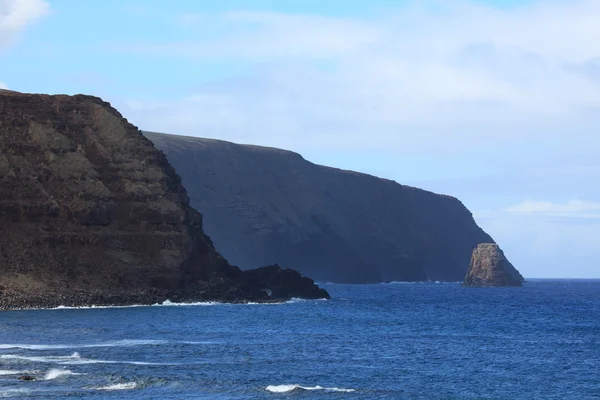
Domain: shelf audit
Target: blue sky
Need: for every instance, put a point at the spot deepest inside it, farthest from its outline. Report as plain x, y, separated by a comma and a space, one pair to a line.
494, 102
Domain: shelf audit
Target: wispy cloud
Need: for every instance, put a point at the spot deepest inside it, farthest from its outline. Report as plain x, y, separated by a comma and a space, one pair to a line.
548, 239
3, 86
15, 15
190, 19
571, 209
419, 79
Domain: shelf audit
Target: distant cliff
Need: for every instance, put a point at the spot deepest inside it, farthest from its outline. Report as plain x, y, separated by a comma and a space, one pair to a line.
265, 205
92, 213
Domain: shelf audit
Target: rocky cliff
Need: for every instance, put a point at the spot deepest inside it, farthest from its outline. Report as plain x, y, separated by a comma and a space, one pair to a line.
489, 267
265, 205
92, 213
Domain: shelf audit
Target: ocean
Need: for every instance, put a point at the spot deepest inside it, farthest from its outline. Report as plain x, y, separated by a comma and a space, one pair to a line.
387, 341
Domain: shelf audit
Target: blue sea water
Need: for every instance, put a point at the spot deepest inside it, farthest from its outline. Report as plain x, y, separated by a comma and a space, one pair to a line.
394, 341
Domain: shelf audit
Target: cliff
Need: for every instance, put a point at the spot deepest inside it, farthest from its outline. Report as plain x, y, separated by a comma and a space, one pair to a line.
489, 267
92, 213
265, 205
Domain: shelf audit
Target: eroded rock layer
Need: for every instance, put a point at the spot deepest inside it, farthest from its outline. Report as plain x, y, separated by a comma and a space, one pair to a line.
92, 213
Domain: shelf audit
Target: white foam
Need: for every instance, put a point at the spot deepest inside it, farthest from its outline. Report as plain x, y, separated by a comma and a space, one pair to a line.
74, 359
293, 388
169, 303
56, 373
4, 372
118, 343
119, 386
41, 359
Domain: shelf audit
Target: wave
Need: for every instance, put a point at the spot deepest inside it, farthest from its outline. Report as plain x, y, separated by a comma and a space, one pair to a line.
19, 393
74, 359
118, 386
58, 373
6, 372
169, 303
295, 388
420, 283
119, 343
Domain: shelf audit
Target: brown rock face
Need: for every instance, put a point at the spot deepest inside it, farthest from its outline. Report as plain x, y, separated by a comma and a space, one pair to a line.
489, 267
91, 212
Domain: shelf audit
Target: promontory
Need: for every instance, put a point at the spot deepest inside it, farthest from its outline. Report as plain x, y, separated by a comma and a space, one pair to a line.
92, 213
264, 205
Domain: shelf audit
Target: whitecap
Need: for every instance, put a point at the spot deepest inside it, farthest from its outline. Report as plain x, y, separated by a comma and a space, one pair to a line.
293, 388
118, 386
41, 359
119, 343
74, 359
4, 372
56, 373
169, 303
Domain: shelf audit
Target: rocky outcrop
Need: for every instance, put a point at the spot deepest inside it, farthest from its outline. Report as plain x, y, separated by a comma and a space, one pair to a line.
264, 206
92, 213
489, 267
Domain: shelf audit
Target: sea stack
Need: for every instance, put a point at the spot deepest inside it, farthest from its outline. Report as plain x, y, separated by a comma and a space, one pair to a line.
489, 267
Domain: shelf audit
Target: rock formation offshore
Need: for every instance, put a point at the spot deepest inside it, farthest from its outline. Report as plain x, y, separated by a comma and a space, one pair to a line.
489, 267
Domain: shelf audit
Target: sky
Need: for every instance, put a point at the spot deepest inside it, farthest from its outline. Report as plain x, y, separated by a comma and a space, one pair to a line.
494, 102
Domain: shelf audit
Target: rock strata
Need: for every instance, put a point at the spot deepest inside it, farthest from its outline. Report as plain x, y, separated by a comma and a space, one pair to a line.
489, 267
91, 213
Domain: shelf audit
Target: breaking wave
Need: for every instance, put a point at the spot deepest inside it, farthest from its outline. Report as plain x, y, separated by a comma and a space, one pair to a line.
169, 303
119, 343
118, 386
5, 372
296, 388
58, 373
74, 359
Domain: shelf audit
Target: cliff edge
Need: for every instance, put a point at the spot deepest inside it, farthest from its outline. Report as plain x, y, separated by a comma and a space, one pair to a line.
489, 267
92, 213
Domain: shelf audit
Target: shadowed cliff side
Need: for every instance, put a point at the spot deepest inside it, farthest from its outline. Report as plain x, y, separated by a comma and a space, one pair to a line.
92, 213
265, 205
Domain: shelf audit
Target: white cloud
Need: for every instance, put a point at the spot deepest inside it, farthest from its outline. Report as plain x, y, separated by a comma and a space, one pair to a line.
15, 15
571, 209
548, 240
3, 86
420, 79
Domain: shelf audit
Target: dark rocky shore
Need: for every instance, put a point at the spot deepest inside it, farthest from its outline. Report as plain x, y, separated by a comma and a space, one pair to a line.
91, 213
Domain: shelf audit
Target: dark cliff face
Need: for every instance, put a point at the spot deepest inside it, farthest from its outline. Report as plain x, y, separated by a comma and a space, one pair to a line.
264, 205
489, 267
90, 211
